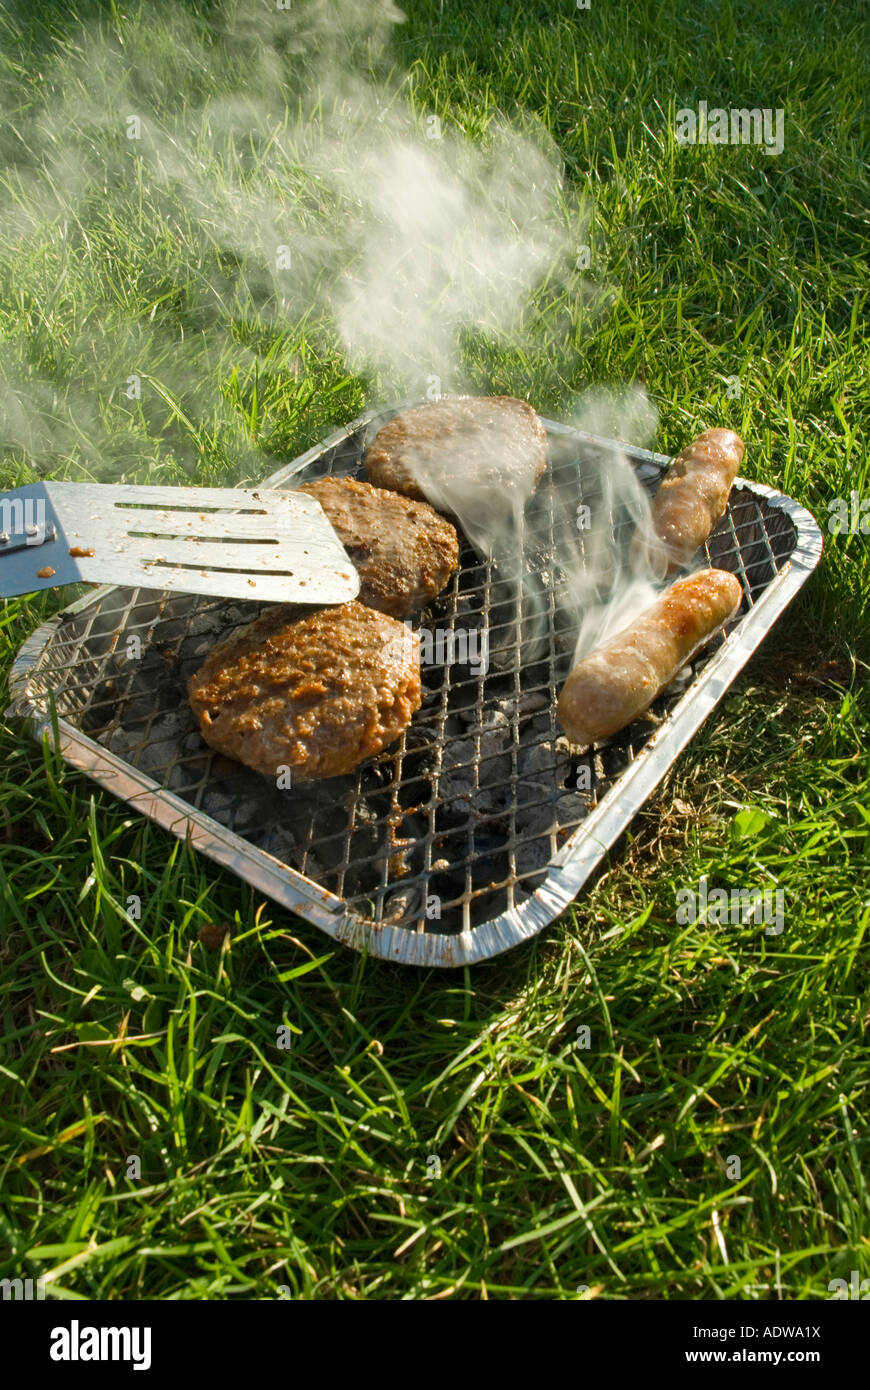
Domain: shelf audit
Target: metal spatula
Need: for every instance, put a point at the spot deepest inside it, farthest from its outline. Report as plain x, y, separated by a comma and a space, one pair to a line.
261, 544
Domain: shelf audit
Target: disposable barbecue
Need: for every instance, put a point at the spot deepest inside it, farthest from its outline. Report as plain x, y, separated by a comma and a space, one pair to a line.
481, 821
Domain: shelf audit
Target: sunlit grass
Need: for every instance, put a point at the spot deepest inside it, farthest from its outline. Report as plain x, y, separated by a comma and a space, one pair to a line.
311, 1169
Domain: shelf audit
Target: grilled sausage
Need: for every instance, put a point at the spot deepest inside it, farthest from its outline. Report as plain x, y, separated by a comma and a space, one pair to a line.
615, 683
693, 497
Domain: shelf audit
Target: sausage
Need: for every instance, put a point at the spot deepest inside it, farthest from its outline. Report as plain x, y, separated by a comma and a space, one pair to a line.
615, 683
693, 497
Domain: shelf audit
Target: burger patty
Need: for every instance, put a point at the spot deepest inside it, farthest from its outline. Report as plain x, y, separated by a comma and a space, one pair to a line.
459, 449
316, 691
404, 552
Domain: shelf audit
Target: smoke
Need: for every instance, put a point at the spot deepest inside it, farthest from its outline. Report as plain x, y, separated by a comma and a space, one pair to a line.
193, 190
609, 561
453, 237
599, 556
205, 212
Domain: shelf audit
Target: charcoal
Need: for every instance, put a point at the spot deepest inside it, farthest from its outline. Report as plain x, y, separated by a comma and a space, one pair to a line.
122, 742
541, 724
682, 680
170, 725
169, 633
146, 672
156, 757
532, 794
217, 803
537, 763
572, 808
312, 869
280, 842
179, 778
536, 820
489, 721
459, 783
197, 650
533, 856
406, 904
189, 774
209, 622
247, 812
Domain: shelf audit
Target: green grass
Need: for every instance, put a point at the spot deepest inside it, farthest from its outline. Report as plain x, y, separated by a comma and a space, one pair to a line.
611, 1167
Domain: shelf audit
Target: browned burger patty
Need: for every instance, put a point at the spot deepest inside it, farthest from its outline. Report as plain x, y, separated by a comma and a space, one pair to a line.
403, 550
317, 692
445, 450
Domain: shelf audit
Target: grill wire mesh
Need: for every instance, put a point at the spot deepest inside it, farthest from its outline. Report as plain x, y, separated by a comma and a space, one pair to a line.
460, 818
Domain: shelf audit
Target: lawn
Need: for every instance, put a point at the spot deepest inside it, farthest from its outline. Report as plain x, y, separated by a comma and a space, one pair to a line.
443, 1135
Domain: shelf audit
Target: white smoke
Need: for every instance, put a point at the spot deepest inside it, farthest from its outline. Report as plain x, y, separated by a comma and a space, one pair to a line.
265, 169
612, 581
268, 168
602, 580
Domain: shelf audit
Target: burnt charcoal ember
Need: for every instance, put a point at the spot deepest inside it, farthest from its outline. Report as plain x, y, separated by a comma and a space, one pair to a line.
682, 680
138, 712
543, 771
161, 747
172, 725
537, 820
191, 647
156, 758
532, 794
218, 805
469, 772
218, 620
408, 904
544, 762
533, 856
170, 633
546, 801
143, 689
308, 864
492, 721
420, 738
374, 776
541, 724
280, 842
329, 834
123, 742
180, 779
534, 701
572, 808
247, 813
615, 757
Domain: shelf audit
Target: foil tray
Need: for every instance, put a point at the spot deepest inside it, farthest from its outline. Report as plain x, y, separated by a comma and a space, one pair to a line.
479, 826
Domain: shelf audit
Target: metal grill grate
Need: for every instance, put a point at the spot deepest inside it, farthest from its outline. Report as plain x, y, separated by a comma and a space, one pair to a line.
463, 819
